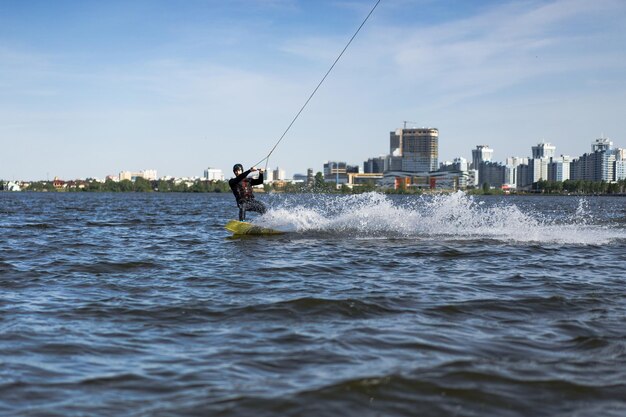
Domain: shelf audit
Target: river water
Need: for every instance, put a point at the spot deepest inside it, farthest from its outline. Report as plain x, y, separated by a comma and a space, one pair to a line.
371, 305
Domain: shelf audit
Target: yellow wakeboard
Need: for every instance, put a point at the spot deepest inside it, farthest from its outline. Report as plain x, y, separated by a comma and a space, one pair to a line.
246, 228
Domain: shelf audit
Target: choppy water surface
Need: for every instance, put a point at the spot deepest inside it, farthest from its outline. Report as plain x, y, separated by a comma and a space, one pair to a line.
141, 304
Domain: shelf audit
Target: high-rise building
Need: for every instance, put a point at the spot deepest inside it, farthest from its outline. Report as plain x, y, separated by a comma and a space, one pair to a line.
538, 168
418, 149
510, 176
538, 165
482, 153
559, 168
310, 178
279, 174
512, 165
601, 145
620, 170
516, 160
596, 166
374, 165
393, 163
460, 164
395, 143
544, 150
481, 156
524, 177
491, 173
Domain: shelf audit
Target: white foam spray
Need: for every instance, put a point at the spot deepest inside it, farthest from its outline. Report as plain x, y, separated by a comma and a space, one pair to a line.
444, 217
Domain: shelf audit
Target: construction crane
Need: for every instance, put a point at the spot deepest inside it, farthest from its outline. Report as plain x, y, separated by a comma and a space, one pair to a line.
406, 121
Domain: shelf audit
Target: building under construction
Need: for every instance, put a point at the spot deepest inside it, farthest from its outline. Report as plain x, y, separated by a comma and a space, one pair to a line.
413, 150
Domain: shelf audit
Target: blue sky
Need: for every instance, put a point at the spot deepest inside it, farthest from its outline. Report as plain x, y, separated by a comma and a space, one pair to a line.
91, 88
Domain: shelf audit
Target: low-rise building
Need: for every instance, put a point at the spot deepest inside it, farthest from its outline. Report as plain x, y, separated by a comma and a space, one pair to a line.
337, 172
13, 186
435, 180
213, 174
148, 174
58, 183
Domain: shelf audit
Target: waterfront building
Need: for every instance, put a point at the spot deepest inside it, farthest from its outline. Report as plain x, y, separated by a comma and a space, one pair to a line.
416, 148
213, 174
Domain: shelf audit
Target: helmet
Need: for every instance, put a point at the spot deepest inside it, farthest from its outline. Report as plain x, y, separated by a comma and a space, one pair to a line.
237, 166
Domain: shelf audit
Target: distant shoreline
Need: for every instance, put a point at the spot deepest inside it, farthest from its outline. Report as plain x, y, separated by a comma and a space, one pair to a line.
388, 192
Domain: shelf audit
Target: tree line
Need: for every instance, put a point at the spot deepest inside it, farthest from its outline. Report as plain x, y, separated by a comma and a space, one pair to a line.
318, 185
580, 187
139, 185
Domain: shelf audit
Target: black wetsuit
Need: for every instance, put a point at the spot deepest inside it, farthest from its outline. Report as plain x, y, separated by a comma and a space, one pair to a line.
242, 189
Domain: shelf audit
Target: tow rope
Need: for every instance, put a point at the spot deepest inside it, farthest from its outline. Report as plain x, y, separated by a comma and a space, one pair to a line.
267, 158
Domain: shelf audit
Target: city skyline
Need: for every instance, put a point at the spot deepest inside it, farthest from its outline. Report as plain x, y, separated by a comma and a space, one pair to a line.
90, 89
480, 151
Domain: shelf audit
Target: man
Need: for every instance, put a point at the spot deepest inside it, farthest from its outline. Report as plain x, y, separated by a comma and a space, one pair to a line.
242, 189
